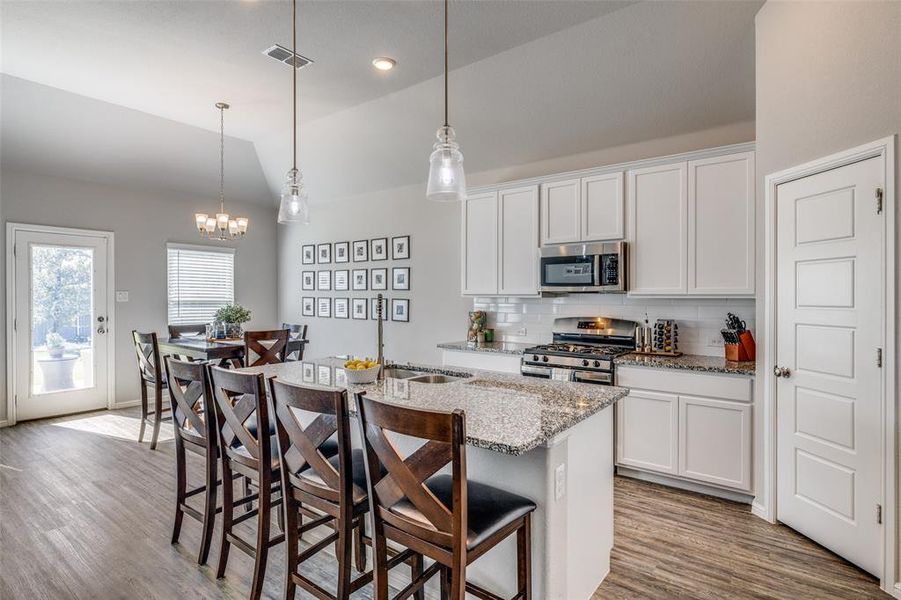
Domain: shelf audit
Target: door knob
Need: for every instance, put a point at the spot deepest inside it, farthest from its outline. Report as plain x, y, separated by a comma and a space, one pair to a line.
781, 372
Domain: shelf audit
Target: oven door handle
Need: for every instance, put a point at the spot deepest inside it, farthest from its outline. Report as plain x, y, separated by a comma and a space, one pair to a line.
593, 377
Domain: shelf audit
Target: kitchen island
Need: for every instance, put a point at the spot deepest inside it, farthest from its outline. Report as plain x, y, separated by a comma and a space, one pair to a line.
551, 441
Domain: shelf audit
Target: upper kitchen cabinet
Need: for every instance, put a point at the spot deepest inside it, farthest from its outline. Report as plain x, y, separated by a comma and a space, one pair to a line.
721, 225
691, 226
658, 213
586, 209
500, 243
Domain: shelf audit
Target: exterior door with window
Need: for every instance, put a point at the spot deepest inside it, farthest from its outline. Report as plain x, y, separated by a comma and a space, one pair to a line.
61, 324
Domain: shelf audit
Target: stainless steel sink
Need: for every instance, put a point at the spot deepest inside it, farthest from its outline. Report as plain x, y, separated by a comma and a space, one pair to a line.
397, 373
411, 374
434, 378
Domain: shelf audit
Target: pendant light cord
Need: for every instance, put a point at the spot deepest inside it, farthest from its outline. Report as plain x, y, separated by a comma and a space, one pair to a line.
445, 64
294, 74
222, 159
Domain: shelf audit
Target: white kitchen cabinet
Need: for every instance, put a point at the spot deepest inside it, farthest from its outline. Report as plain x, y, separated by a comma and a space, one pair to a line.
500, 243
518, 241
715, 441
647, 431
721, 225
480, 241
586, 209
603, 207
658, 213
561, 211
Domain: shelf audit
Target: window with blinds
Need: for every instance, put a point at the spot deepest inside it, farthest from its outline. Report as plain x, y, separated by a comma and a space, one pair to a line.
201, 281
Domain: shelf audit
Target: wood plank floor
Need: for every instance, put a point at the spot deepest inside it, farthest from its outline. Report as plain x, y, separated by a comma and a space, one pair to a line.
86, 512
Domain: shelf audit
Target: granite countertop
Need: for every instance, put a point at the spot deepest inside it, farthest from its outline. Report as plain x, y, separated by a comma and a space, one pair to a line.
507, 413
516, 348
689, 362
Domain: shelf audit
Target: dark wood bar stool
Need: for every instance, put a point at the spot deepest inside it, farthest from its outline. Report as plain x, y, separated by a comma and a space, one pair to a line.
335, 486
150, 368
296, 332
444, 517
257, 352
194, 422
192, 329
241, 401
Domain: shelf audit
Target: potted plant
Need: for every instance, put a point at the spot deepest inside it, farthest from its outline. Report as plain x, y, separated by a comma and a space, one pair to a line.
232, 316
56, 345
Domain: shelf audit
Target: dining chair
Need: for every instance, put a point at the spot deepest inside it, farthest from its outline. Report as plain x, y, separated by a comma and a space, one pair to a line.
150, 368
445, 517
192, 329
295, 332
269, 347
335, 486
194, 421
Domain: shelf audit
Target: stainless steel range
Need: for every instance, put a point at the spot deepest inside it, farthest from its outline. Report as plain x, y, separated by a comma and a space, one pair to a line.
583, 350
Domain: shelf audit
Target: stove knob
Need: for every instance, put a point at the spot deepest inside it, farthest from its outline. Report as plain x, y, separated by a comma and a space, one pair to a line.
597, 363
535, 357
584, 363
544, 358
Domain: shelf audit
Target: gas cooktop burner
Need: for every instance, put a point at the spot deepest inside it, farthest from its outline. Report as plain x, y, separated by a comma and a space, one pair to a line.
580, 350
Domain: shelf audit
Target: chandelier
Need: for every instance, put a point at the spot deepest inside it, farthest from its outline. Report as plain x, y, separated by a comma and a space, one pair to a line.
223, 227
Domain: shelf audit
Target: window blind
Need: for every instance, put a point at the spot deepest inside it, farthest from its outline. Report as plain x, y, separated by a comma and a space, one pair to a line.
201, 281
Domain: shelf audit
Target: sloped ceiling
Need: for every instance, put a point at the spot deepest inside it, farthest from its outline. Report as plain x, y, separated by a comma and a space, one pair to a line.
531, 80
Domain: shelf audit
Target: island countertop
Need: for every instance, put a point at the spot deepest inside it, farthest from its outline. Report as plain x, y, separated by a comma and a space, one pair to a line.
507, 413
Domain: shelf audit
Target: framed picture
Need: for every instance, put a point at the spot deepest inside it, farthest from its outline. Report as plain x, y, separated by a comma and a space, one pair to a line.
400, 278
359, 279
324, 307
308, 280
308, 254
400, 247
324, 254
342, 252
378, 279
324, 375
309, 372
340, 377
359, 308
324, 281
374, 308
361, 251
342, 310
378, 249
308, 306
400, 310
342, 280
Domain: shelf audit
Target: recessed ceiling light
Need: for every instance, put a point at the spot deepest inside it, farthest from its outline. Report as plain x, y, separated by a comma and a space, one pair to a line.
383, 63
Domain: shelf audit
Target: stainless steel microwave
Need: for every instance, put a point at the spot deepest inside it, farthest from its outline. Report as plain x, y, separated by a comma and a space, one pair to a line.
584, 268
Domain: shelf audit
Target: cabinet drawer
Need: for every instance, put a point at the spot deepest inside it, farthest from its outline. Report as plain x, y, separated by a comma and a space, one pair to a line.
727, 387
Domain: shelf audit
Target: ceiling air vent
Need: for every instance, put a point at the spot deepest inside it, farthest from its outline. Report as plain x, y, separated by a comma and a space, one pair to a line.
282, 54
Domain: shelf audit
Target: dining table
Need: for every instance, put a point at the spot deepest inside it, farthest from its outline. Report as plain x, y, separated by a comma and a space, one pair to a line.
223, 352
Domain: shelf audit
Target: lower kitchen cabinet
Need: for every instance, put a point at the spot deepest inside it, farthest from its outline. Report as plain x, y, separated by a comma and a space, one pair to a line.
665, 426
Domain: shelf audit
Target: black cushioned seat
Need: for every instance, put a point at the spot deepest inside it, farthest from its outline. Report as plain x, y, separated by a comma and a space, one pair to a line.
358, 467
489, 509
329, 448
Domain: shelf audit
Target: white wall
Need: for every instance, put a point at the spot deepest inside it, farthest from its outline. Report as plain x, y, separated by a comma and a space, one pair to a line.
828, 79
438, 313
143, 220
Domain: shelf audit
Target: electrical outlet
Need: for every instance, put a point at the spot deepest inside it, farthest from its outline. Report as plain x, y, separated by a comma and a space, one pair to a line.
560, 481
715, 341
121, 296
521, 331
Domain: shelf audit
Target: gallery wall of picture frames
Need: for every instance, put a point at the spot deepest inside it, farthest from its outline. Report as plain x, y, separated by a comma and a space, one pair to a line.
356, 278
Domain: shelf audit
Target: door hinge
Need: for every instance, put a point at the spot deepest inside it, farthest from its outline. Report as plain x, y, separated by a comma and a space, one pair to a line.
879, 514
879, 357
878, 200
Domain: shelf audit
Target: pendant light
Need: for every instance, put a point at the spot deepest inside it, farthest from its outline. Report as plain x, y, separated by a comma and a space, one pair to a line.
294, 206
223, 227
447, 181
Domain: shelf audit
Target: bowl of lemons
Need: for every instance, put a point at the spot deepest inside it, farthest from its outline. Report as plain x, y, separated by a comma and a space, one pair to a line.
361, 371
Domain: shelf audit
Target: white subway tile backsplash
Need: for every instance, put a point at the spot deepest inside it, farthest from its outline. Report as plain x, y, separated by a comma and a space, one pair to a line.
699, 319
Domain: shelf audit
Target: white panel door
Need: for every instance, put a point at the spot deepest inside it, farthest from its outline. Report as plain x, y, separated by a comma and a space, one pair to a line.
721, 225
647, 431
603, 207
61, 297
829, 329
715, 441
518, 241
560, 212
658, 213
479, 268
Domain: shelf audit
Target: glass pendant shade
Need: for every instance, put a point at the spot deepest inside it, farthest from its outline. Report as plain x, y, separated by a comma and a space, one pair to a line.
200, 221
242, 224
447, 181
294, 206
210, 225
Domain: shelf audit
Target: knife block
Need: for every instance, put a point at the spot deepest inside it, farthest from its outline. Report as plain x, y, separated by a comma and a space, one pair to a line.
746, 350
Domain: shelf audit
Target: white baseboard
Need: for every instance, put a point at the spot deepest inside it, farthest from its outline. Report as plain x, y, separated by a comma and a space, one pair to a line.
126, 404
759, 510
897, 591
683, 484
4, 423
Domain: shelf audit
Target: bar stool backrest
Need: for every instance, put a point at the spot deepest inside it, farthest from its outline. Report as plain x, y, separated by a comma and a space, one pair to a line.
266, 354
240, 396
192, 402
191, 329
147, 349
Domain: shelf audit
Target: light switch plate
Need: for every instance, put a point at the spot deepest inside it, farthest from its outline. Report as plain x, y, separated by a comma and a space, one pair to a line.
121, 296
